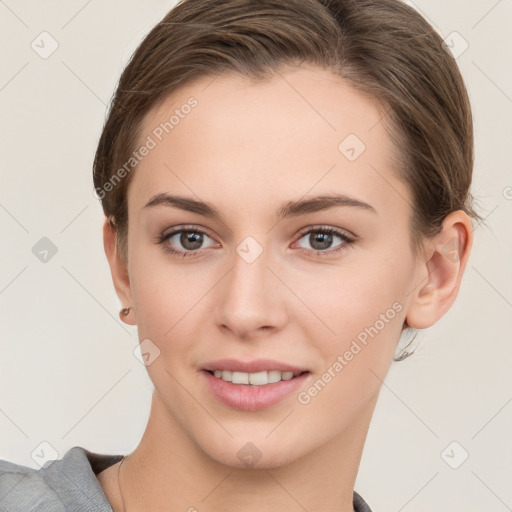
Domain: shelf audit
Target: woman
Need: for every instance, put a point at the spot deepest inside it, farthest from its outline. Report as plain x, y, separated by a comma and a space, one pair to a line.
286, 191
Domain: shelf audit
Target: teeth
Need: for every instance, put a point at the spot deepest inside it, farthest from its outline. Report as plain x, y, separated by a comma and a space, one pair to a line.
258, 379
274, 376
240, 378
255, 379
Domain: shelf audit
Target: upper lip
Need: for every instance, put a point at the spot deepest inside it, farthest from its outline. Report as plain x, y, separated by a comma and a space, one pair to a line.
254, 366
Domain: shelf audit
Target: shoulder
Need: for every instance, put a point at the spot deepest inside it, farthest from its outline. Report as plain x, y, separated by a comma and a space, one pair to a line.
60, 485
24, 488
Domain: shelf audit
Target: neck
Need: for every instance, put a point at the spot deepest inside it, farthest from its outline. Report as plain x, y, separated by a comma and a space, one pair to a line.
168, 471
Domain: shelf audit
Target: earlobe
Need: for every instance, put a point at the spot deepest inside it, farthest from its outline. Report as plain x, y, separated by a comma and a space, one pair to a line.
119, 271
441, 273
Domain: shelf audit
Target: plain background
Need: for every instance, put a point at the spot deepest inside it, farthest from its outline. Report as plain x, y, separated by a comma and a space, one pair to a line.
68, 373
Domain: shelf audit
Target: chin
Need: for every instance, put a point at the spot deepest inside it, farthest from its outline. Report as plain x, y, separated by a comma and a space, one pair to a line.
253, 451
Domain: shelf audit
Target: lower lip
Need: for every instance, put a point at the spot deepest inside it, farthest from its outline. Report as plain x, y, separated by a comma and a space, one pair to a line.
246, 397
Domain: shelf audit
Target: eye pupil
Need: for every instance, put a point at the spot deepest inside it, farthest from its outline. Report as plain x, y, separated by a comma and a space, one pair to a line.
191, 240
325, 240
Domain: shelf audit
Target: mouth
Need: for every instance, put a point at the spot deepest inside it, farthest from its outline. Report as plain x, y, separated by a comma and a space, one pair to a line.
263, 378
253, 391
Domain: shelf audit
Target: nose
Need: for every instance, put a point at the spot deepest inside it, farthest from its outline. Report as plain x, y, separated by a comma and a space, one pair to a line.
249, 300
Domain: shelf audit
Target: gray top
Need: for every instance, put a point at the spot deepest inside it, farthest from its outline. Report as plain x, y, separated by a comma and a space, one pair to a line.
67, 484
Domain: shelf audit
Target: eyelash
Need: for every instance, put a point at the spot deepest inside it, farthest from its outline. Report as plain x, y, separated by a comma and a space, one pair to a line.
347, 240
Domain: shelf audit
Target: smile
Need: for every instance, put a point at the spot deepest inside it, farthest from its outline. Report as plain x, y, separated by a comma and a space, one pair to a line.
253, 391
254, 379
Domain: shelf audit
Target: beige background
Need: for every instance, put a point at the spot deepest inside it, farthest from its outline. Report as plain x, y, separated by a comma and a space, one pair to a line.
68, 375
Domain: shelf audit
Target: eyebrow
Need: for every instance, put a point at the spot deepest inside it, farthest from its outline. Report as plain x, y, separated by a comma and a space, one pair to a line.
289, 209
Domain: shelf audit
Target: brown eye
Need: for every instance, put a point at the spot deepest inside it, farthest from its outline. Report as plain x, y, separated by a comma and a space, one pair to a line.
184, 242
323, 239
190, 240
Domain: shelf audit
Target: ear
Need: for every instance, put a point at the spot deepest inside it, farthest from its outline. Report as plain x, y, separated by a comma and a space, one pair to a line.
440, 274
119, 271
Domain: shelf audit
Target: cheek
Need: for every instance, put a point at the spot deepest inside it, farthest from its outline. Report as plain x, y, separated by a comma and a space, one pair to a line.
356, 327
354, 363
169, 300
346, 301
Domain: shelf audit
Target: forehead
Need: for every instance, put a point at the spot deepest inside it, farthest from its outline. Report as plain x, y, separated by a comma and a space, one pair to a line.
303, 131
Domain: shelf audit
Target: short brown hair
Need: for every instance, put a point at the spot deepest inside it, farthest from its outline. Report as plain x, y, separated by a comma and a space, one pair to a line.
383, 48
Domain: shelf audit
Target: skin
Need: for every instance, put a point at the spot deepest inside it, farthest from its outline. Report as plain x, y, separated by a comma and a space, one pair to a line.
248, 149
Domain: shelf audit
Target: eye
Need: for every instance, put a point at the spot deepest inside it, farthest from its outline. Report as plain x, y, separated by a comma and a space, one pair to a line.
190, 240
321, 240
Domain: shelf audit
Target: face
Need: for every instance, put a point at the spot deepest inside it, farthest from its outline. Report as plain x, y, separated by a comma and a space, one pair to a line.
301, 256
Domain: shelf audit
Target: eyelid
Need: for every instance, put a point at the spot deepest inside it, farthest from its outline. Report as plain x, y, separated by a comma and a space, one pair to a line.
167, 235
326, 227
347, 237
186, 227
347, 241
302, 232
